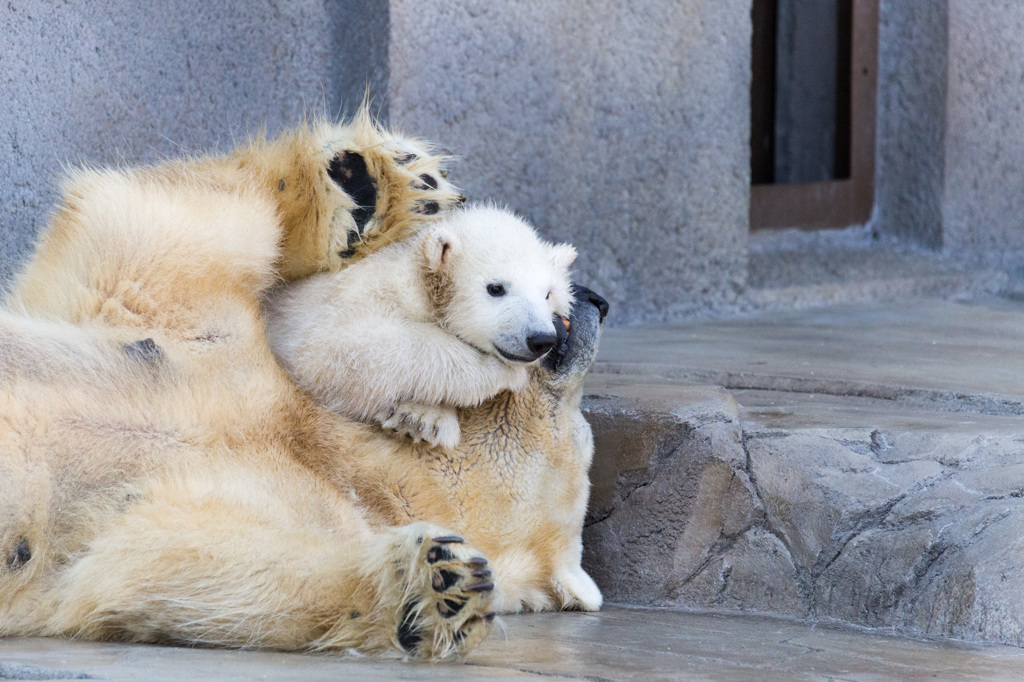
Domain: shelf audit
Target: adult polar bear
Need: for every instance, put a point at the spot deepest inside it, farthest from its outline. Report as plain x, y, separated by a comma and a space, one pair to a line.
161, 478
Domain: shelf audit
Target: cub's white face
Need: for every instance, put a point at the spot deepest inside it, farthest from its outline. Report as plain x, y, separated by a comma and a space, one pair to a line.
505, 285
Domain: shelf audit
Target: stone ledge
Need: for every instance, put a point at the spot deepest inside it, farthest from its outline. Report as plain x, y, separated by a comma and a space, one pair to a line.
929, 354
890, 518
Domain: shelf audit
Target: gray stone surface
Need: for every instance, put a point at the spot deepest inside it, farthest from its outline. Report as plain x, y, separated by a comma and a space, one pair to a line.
965, 356
983, 214
867, 467
672, 503
616, 644
800, 270
122, 80
913, 41
621, 127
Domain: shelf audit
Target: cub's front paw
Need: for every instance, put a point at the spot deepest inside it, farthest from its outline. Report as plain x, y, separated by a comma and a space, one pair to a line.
435, 424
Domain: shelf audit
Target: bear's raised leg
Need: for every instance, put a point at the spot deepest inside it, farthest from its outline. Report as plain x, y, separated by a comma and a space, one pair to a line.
175, 245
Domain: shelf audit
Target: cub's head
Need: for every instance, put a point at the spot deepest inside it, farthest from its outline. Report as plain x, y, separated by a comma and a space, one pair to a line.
498, 287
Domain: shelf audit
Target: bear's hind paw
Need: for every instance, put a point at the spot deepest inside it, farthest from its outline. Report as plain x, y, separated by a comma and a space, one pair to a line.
446, 609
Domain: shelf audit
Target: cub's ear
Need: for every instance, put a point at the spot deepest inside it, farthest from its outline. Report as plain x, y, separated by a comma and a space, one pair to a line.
439, 247
563, 255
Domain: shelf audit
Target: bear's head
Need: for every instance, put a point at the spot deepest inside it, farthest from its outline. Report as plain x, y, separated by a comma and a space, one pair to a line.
497, 286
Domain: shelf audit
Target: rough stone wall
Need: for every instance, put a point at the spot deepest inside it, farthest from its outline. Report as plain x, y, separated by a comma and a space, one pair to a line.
622, 127
984, 169
911, 120
100, 83
696, 505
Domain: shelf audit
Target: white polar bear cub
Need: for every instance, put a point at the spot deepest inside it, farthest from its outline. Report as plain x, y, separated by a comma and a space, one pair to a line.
448, 318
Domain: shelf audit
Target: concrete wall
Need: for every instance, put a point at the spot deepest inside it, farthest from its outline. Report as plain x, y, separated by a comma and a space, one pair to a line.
97, 83
951, 129
983, 201
911, 120
622, 127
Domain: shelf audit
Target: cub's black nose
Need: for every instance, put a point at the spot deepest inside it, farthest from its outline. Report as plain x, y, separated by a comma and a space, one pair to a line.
539, 344
584, 294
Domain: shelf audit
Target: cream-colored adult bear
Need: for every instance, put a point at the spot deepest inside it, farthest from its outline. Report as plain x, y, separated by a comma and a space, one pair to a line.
446, 319
162, 479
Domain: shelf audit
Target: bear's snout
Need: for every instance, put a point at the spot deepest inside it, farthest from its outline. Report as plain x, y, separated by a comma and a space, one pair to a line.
540, 343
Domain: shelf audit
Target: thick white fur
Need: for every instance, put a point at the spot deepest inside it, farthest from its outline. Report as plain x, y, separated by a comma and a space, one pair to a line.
411, 331
185, 490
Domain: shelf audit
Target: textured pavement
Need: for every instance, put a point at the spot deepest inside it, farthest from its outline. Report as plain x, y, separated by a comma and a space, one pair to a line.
616, 644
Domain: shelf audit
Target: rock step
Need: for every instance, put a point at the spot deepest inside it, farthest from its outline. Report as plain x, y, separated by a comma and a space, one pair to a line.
832, 508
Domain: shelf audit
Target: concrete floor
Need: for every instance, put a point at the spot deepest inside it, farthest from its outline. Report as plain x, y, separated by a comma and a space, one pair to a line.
930, 353
617, 644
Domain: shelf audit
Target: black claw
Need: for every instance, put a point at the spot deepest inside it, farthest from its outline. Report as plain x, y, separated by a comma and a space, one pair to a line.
450, 607
403, 159
408, 630
489, 616
448, 539
352, 237
462, 198
482, 573
479, 587
439, 554
428, 208
429, 181
477, 562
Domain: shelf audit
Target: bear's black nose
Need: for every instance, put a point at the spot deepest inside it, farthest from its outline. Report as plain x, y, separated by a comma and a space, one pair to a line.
539, 344
581, 293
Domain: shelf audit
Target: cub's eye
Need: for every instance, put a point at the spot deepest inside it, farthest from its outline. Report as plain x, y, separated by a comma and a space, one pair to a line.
496, 290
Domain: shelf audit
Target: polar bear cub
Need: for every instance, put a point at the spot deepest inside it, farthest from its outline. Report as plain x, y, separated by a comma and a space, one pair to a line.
448, 318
